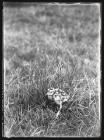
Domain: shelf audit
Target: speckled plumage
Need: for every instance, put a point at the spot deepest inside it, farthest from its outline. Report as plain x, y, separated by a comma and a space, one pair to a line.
58, 96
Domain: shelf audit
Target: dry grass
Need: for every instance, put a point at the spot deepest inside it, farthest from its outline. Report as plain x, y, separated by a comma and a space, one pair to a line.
43, 53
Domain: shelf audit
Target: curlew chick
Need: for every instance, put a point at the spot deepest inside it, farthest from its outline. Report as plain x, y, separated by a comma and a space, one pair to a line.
58, 96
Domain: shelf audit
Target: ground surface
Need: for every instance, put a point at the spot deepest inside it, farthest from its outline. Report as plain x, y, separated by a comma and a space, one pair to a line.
51, 46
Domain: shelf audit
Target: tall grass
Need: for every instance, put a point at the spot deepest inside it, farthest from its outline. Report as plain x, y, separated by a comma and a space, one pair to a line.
39, 62
27, 111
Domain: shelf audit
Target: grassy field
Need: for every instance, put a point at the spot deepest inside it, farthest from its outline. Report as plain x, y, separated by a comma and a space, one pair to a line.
51, 46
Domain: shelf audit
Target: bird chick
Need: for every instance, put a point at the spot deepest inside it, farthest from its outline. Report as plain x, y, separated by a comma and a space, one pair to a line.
59, 96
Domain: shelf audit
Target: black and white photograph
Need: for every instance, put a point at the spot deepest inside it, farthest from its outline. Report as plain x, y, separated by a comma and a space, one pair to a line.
51, 69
